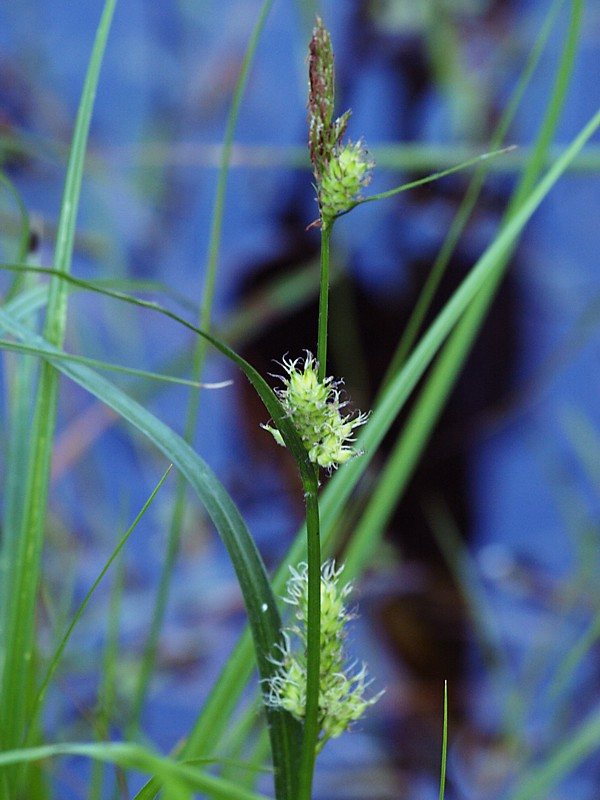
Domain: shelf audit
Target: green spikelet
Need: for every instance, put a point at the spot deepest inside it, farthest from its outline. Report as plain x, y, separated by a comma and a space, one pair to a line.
340, 170
315, 408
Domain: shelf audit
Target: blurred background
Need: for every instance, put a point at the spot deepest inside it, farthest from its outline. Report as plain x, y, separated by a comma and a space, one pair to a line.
488, 574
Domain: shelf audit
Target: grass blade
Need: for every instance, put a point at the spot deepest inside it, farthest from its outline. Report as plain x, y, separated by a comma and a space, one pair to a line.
24, 224
263, 615
181, 779
444, 744
577, 746
20, 614
37, 705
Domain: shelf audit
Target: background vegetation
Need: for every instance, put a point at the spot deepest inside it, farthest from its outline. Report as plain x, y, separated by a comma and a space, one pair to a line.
188, 186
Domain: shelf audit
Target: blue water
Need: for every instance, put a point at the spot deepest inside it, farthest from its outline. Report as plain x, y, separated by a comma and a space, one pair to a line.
146, 211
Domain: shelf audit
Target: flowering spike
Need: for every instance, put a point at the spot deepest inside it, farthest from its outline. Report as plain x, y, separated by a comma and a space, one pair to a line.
315, 409
340, 170
342, 686
323, 135
341, 185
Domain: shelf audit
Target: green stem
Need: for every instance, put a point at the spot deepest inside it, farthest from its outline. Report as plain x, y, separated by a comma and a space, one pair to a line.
313, 547
444, 744
313, 646
323, 303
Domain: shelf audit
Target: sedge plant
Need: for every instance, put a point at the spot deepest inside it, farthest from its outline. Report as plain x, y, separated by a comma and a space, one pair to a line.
309, 687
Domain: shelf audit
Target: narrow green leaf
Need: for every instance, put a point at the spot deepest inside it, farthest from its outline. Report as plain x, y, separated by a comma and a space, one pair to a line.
263, 615
436, 176
37, 704
270, 401
579, 745
24, 227
20, 614
444, 744
23, 304
93, 363
140, 759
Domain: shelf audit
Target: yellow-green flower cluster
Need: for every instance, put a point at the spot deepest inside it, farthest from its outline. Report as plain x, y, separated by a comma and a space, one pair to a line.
315, 408
346, 173
342, 689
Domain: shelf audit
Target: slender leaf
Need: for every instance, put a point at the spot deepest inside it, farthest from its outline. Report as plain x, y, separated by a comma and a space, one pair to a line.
24, 225
16, 347
261, 606
444, 744
37, 705
182, 777
20, 614
572, 751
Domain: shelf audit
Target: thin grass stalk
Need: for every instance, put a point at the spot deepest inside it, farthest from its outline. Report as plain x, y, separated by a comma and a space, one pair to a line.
403, 156
444, 744
38, 702
311, 726
20, 384
198, 359
310, 731
107, 695
585, 443
323, 304
541, 148
539, 779
468, 579
184, 777
17, 347
245, 749
20, 629
24, 229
